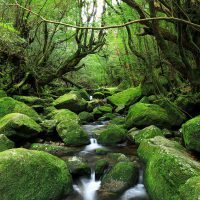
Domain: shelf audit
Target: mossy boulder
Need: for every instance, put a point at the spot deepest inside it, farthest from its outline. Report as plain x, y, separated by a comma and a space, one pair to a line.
168, 168
107, 116
98, 95
2, 94
142, 115
5, 143
54, 149
100, 167
176, 116
10, 105
126, 97
101, 110
112, 135
78, 167
72, 134
138, 136
118, 157
191, 189
16, 125
86, 117
49, 126
72, 102
27, 174
118, 121
121, 176
191, 134
30, 100
63, 115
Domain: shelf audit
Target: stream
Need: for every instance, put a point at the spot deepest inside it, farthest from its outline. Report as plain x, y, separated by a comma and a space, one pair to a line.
85, 188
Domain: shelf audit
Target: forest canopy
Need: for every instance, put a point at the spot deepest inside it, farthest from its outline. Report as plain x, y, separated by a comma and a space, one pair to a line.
38, 46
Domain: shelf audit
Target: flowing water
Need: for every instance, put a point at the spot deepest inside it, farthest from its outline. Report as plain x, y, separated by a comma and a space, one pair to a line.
86, 187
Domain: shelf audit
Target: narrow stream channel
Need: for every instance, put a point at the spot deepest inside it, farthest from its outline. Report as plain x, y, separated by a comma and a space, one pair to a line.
86, 187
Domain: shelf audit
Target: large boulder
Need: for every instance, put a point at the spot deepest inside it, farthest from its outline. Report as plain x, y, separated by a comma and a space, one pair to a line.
121, 176
137, 136
71, 101
126, 97
64, 115
176, 116
10, 105
86, 117
101, 110
16, 125
5, 143
72, 134
191, 134
30, 100
142, 115
112, 135
168, 168
27, 174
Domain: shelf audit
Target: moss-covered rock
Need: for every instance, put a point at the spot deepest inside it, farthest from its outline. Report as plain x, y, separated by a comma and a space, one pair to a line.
191, 189
2, 94
86, 117
138, 136
107, 116
64, 115
118, 157
191, 134
100, 167
49, 126
5, 143
54, 149
30, 100
176, 116
78, 167
16, 125
122, 176
126, 97
118, 121
101, 110
168, 168
142, 115
112, 135
72, 102
10, 105
102, 151
98, 95
72, 134
26, 174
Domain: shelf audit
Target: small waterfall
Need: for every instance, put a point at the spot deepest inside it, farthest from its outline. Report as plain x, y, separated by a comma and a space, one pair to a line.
136, 192
87, 187
93, 145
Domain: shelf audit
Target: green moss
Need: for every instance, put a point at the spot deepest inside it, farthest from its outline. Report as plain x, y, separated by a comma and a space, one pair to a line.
141, 115
2, 94
100, 167
18, 125
101, 110
126, 97
9, 105
98, 95
30, 100
64, 115
191, 134
71, 101
112, 135
118, 121
5, 143
168, 167
122, 176
191, 189
146, 133
72, 134
26, 174
77, 166
86, 117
